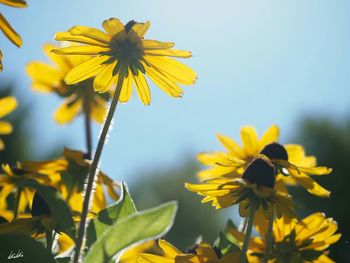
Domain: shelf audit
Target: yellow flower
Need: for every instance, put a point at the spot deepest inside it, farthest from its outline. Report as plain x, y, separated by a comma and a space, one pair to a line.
72, 169
79, 97
299, 241
10, 181
7, 105
201, 253
293, 165
255, 188
122, 51
6, 28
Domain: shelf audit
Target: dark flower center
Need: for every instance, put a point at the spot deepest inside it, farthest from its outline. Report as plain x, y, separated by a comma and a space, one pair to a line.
275, 151
260, 172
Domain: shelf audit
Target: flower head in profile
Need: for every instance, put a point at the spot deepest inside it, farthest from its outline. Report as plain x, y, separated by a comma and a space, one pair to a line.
78, 98
7, 29
256, 188
7, 105
299, 241
293, 165
200, 253
121, 52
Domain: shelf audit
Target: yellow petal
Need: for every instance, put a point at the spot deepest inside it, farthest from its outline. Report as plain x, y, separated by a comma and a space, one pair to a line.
172, 69
154, 44
67, 36
9, 32
81, 50
168, 249
114, 26
138, 31
98, 109
163, 82
5, 127
142, 88
90, 32
2, 146
85, 70
44, 75
1, 67
169, 53
61, 61
7, 105
270, 136
125, 93
14, 3
249, 138
67, 111
105, 78
231, 145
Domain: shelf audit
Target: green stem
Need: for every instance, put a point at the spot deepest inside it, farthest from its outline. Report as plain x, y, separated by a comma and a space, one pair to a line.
49, 240
248, 233
93, 169
87, 124
16, 204
268, 239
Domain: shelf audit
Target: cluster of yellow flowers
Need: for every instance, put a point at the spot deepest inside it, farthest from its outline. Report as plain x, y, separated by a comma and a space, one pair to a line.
99, 66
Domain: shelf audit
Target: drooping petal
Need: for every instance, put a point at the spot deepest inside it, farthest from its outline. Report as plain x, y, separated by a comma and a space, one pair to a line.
9, 32
164, 83
85, 70
142, 88
90, 32
81, 50
67, 111
7, 105
169, 53
172, 69
105, 78
125, 93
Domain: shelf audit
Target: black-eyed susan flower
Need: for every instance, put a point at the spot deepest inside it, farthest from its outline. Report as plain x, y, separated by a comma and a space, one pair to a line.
7, 105
256, 188
295, 241
78, 98
200, 253
293, 165
7, 29
121, 52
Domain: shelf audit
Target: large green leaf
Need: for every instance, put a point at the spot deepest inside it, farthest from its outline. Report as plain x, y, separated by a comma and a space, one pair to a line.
110, 215
59, 209
18, 248
148, 224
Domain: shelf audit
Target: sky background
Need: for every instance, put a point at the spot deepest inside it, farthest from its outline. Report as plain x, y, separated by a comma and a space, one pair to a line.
258, 62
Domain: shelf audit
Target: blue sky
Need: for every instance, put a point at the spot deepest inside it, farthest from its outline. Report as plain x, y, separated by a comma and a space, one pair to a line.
258, 62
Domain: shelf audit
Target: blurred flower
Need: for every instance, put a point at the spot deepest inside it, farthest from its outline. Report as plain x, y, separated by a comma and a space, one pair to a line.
10, 181
78, 98
304, 241
6, 28
293, 166
123, 52
255, 188
7, 105
201, 253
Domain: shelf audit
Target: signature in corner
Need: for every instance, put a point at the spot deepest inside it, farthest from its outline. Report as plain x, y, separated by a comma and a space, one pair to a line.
16, 254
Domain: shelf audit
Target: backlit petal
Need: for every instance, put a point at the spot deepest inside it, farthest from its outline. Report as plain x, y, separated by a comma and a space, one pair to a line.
142, 88
7, 105
9, 32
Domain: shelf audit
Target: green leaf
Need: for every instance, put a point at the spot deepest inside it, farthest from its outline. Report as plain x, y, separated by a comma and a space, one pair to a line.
63, 260
226, 243
59, 209
110, 215
141, 226
23, 249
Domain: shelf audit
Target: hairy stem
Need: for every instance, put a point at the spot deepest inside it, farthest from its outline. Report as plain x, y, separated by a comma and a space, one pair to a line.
93, 168
248, 233
268, 239
87, 124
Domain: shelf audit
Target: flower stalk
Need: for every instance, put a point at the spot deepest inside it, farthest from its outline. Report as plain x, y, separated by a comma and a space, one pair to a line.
16, 204
93, 168
268, 239
248, 233
87, 124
